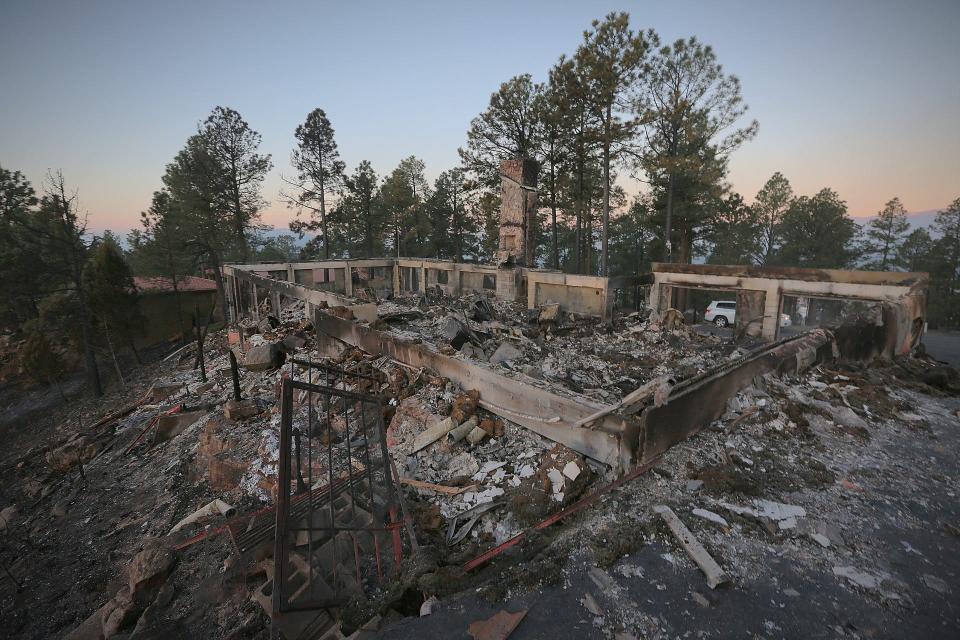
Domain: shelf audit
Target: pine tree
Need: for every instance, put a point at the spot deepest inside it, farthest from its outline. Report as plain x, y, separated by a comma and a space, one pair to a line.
236, 170
630, 236
818, 233
23, 282
946, 269
690, 108
509, 128
885, 235
915, 253
363, 197
611, 59
770, 206
113, 298
41, 361
578, 143
404, 193
734, 232
451, 220
319, 175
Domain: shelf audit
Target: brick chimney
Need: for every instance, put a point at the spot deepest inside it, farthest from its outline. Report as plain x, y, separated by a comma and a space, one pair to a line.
518, 210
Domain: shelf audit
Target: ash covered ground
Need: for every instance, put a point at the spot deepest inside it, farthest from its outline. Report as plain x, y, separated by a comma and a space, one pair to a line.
829, 498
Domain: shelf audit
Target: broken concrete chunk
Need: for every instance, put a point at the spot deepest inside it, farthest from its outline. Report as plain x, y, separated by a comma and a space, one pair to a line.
549, 313
7, 517
591, 605
160, 392
556, 479
768, 509
148, 571
857, 577
937, 584
455, 332
778, 510
571, 470
470, 351
293, 342
240, 410
79, 450
711, 516
497, 627
700, 599
118, 613
820, 539
173, 425
506, 352
463, 464
263, 357
787, 523
429, 436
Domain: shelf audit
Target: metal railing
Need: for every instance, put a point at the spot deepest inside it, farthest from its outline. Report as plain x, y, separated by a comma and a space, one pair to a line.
339, 530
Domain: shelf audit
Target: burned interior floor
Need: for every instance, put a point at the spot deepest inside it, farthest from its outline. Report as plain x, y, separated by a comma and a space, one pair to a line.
827, 497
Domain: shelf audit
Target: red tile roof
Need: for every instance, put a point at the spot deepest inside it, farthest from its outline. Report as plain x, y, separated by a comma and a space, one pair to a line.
162, 284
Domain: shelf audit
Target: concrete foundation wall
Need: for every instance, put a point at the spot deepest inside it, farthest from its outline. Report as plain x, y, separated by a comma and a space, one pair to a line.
474, 281
642, 426
579, 294
584, 300
587, 295
906, 292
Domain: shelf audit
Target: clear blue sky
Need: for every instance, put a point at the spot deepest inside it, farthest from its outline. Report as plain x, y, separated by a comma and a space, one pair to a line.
861, 96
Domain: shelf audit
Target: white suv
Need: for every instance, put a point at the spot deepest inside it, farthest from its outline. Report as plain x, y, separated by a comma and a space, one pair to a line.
721, 313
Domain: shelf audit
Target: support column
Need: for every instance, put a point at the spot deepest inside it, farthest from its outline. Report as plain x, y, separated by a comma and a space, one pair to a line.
423, 278
455, 285
751, 311
275, 304
347, 280
291, 276
234, 306
608, 302
256, 303
771, 312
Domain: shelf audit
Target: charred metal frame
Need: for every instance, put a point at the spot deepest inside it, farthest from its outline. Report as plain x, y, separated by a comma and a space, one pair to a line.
351, 506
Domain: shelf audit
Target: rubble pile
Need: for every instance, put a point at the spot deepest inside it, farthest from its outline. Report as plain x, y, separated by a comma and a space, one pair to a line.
143, 506
555, 350
802, 472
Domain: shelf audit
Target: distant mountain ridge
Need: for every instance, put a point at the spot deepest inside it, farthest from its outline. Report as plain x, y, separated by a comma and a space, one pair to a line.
917, 219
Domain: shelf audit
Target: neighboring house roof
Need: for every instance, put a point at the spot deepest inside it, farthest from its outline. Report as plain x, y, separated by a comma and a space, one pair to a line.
161, 284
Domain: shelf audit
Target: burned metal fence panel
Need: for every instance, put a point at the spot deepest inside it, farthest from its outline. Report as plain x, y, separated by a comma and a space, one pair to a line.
339, 531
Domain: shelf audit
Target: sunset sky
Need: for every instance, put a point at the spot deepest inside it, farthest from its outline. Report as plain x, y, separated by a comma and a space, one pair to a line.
860, 96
